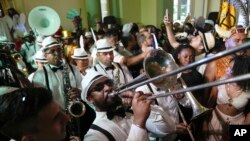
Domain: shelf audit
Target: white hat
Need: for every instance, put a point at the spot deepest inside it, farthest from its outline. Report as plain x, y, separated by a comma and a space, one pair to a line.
211, 22
39, 56
49, 42
103, 45
127, 27
208, 40
90, 77
88, 34
39, 40
79, 53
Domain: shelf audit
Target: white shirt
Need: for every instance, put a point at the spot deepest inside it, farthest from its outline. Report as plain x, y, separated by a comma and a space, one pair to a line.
169, 105
123, 129
55, 80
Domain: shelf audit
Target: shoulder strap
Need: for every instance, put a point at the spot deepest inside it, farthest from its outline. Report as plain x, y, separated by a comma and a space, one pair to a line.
95, 68
46, 77
26, 46
71, 68
120, 67
151, 90
105, 132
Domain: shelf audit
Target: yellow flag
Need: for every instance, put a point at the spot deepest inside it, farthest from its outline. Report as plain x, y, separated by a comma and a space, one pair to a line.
227, 19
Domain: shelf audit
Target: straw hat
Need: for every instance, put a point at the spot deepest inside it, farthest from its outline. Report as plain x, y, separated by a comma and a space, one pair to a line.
103, 45
79, 53
208, 40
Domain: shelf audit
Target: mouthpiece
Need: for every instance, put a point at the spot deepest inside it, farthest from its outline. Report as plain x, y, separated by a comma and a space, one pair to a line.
113, 94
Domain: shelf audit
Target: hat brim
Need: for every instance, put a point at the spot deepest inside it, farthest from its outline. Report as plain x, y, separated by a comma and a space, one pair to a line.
74, 57
106, 50
50, 46
41, 60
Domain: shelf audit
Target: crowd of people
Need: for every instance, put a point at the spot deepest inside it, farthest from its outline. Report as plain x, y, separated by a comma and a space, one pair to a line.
67, 92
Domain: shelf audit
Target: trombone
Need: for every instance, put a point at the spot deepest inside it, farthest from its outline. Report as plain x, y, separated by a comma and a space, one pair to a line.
202, 86
159, 76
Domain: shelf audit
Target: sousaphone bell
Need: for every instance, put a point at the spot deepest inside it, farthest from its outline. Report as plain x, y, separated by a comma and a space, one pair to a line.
44, 20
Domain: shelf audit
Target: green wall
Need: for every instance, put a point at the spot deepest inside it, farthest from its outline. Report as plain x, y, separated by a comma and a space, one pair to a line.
142, 12
93, 12
130, 11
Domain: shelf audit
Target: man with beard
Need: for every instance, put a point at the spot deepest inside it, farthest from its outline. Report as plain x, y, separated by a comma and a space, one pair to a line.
112, 122
62, 79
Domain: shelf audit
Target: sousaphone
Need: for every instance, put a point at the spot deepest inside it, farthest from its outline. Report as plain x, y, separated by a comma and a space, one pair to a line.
44, 20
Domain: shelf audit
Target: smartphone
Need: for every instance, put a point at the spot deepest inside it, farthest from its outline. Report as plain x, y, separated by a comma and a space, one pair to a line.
166, 12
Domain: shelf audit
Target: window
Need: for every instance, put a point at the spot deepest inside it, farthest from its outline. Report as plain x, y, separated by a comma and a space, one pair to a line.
181, 9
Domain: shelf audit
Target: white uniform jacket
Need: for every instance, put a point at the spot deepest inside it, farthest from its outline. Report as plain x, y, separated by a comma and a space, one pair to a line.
55, 80
123, 129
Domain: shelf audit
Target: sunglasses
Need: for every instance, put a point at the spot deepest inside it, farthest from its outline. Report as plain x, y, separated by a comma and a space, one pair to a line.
99, 87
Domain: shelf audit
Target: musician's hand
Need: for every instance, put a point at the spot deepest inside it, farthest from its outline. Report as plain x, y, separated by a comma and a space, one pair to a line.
182, 128
75, 93
179, 96
141, 108
127, 97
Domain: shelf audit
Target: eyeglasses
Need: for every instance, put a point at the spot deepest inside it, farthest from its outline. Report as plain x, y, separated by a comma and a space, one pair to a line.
99, 87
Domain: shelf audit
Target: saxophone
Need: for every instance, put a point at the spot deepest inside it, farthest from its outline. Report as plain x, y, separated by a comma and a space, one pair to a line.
73, 107
117, 81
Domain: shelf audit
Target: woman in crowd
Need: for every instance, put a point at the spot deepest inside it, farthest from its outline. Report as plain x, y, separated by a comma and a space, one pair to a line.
232, 100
